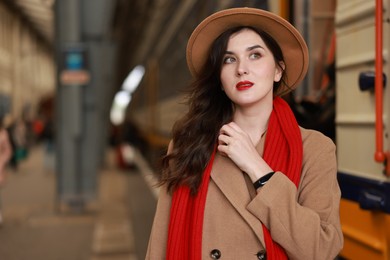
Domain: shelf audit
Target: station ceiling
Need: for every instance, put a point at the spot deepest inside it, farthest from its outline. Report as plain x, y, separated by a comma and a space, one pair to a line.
142, 29
136, 22
37, 14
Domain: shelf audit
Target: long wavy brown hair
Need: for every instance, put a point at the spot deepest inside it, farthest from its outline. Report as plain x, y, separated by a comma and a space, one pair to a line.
194, 136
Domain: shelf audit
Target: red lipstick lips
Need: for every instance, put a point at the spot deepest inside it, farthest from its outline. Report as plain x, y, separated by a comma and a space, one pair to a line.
244, 85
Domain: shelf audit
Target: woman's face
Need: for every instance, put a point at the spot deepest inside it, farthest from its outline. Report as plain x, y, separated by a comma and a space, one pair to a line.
249, 69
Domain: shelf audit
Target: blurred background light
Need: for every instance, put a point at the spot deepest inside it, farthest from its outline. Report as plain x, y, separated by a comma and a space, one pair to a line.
133, 79
123, 97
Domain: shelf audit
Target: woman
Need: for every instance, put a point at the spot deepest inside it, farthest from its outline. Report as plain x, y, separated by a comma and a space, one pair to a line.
241, 179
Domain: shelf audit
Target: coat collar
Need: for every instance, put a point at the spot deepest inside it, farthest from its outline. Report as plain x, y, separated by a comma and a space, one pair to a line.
231, 181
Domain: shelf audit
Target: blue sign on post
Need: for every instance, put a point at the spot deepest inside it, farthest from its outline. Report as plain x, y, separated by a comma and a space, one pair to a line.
74, 67
74, 61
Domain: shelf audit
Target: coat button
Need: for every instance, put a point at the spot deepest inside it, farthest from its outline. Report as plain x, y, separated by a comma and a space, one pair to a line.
262, 255
215, 254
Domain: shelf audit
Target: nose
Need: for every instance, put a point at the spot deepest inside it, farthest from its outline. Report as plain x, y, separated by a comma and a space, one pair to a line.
242, 68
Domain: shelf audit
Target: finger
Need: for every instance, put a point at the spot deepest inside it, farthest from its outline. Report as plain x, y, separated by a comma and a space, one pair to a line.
223, 139
235, 127
227, 130
237, 130
222, 149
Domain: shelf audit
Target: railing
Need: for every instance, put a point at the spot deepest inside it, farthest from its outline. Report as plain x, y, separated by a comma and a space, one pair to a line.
380, 155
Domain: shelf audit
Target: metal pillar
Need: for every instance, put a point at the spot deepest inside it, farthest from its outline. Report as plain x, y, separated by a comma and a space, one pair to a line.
84, 60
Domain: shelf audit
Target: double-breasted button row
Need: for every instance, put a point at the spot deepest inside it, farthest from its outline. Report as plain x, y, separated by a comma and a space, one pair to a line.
262, 255
216, 254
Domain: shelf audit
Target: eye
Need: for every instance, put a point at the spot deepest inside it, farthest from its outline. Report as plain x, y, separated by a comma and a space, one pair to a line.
255, 55
228, 60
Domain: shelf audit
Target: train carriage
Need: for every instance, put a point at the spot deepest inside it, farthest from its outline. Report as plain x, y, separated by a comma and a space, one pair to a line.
362, 126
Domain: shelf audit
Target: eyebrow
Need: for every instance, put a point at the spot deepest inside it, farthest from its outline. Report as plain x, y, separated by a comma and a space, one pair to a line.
247, 49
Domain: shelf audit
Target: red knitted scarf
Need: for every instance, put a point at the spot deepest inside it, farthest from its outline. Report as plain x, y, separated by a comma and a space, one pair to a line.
282, 151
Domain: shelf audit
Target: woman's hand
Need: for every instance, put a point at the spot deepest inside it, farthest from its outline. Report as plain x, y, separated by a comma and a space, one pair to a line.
236, 144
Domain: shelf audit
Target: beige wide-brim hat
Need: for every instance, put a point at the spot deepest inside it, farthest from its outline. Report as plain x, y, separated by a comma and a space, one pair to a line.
291, 42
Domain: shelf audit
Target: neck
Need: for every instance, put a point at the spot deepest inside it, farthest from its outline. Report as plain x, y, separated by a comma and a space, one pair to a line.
253, 120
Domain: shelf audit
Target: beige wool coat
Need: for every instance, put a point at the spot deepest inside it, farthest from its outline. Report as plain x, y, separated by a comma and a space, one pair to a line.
304, 221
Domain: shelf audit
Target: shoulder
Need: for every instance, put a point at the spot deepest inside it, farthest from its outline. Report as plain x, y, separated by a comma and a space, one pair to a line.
316, 141
319, 164
317, 148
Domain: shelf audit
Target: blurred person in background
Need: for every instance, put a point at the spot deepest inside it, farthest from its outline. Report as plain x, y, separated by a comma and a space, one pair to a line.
5, 156
18, 137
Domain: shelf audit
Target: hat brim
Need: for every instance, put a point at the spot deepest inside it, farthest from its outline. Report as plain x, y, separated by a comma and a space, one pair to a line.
292, 44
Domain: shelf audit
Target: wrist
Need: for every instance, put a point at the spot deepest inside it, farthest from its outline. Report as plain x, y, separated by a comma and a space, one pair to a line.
263, 180
258, 172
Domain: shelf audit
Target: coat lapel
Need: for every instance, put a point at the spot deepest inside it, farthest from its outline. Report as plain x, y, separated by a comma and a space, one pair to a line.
231, 181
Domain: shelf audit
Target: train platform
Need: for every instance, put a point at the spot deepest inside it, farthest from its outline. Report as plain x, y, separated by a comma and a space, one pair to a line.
115, 227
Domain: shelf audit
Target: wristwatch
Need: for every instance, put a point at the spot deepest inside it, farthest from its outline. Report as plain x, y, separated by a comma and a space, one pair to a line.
263, 180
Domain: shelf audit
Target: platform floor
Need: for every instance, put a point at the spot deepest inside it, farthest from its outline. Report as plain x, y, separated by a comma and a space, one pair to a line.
115, 227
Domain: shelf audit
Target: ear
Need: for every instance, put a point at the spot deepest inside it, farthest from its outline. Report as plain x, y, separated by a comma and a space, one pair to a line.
279, 69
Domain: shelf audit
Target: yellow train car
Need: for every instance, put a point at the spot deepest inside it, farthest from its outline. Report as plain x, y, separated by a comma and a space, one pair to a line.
362, 126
